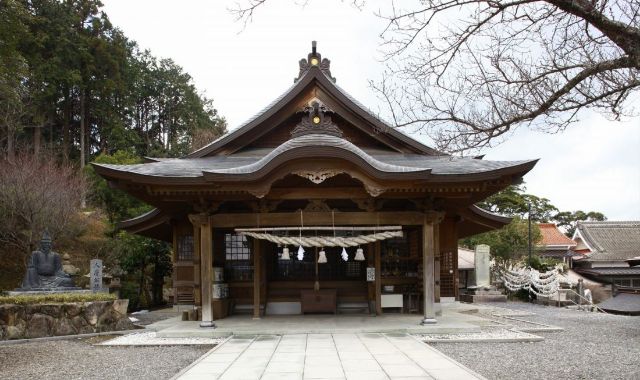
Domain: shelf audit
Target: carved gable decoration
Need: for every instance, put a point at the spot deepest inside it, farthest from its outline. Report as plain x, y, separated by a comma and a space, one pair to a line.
316, 119
317, 176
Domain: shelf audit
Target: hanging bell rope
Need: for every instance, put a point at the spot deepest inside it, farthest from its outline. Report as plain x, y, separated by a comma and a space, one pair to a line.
322, 241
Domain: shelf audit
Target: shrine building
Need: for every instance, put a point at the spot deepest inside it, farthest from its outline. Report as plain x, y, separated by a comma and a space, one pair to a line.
314, 205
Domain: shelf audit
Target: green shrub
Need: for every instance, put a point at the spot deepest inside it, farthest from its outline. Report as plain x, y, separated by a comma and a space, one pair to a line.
521, 295
129, 290
56, 298
542, 264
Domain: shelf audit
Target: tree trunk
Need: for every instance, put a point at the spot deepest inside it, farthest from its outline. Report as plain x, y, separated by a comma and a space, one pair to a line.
11, 148
82, 129
37, 136
157, 283
66, 127
143, 300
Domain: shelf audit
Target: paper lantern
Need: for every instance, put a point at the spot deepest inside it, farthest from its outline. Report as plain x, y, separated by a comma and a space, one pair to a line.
359, 254
285, 254
322, 257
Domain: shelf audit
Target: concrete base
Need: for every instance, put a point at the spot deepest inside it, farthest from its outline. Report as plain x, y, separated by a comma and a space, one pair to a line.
181, 307
451, 322
428, 321
207, 324
481, 298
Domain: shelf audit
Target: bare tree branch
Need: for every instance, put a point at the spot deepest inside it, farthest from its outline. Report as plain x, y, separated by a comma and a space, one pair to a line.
468, 72
508, 64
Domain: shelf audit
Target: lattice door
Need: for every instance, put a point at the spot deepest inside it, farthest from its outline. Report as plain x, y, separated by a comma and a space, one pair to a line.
447, 274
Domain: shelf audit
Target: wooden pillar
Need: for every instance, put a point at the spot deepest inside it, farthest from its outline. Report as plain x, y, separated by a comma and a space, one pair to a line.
256, 278
429, 245
197, 296
378, 283
174, 259
437, 259
206, 270
202, 225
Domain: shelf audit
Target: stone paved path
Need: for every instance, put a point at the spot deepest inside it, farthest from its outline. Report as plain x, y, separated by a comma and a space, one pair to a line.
326, 356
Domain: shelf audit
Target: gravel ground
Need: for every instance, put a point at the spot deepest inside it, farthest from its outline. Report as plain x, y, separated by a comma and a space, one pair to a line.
487, 333
149, 338
593, 346
148, 317
79, 359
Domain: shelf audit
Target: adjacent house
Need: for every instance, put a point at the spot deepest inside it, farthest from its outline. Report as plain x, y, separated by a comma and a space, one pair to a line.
554, 243
608, 251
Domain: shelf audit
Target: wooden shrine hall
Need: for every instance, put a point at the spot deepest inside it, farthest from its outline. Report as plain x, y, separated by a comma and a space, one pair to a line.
314, 205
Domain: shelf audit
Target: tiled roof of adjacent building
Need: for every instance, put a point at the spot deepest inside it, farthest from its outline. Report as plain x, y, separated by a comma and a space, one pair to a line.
610, 240
552, 236
626, 303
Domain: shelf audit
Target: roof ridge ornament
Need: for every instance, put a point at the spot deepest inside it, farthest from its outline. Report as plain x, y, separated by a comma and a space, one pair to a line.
317, 120
314, 59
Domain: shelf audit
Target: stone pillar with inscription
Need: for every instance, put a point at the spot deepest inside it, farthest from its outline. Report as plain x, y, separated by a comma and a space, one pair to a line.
96, 275
482, 266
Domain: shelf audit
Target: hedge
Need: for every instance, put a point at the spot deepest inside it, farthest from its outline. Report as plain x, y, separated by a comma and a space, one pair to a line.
56, 298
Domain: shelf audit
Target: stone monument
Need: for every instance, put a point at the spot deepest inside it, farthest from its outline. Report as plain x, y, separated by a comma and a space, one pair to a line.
483, 291
44, 271
482, 265
96, 275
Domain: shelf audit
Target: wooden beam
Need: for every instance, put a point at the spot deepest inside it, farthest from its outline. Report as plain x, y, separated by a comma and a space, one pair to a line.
256, 278
317, 193
405, 218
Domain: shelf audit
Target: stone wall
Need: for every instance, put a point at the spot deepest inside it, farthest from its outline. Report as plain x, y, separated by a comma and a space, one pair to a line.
40, 320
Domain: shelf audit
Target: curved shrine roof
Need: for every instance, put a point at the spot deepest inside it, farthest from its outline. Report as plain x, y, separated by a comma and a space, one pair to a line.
320, 145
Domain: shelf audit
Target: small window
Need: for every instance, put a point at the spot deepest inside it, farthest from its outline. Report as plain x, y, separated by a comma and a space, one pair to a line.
624, 282
185, 248
353, 269
237, 252
236, 247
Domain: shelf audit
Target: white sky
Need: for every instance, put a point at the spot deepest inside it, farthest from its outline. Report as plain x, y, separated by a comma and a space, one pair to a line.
593, 165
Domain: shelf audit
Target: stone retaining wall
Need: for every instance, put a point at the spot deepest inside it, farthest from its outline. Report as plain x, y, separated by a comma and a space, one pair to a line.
40, 320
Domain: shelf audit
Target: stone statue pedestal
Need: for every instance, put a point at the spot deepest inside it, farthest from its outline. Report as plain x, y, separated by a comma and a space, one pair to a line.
477, 294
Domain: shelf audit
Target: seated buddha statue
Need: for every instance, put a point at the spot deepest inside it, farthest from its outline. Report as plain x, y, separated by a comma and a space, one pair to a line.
44, 271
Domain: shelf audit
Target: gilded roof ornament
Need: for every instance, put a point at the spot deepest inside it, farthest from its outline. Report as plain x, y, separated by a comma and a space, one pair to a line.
314, 59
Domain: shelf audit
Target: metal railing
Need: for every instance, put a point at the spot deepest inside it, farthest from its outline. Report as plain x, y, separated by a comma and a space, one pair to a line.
588, 302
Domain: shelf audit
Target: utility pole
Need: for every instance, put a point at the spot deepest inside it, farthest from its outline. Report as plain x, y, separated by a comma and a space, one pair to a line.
529, 217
